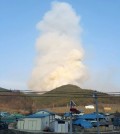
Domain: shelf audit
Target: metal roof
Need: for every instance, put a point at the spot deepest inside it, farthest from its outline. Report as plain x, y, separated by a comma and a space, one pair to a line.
47, 112
37, 116
40, 114
83, 123
92, 116
67, 114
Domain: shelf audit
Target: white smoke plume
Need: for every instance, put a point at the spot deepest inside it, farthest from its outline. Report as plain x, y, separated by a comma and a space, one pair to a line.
59, 50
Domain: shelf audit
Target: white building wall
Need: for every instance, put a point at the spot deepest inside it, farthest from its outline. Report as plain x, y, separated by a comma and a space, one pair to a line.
35, 123
62, 128
26, 124
31, 124
39, 123
66, 127
20, 124
44, 122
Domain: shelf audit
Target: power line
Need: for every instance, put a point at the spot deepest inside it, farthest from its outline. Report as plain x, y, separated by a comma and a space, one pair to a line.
29, 91
42, 96
62, 92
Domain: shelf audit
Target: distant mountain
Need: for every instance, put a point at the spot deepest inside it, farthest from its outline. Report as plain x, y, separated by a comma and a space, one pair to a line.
3, 89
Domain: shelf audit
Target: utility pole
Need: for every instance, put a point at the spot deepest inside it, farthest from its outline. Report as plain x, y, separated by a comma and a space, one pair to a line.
96, 105
70, 122
72, 104
0, 116
70, 118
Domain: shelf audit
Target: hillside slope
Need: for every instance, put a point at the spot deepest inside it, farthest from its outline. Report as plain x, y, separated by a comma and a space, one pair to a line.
3, 89
11, 100
61, 96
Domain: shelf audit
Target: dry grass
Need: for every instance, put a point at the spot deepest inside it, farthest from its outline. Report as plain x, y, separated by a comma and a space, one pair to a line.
114, 108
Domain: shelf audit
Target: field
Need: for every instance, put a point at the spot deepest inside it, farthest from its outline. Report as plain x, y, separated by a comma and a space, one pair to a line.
114, 108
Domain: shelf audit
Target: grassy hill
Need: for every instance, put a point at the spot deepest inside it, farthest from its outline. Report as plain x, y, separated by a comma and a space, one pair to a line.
59, 97
3, 89
11, 100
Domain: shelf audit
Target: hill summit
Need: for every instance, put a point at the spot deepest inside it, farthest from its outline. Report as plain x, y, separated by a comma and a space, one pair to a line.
61, 96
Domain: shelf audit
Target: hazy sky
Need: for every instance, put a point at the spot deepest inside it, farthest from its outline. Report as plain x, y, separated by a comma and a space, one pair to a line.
100, 21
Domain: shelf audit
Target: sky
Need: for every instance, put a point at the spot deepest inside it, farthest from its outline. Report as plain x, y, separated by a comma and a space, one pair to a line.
100, 22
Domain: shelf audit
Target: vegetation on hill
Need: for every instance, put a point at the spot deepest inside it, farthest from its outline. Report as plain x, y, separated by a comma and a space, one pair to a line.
14, 101
58, 97
61, 96
3, 89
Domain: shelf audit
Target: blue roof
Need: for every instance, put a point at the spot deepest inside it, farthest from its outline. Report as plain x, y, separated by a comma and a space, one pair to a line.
41, 114
67, 114
92, 116
37, 116
47, 112
83, 123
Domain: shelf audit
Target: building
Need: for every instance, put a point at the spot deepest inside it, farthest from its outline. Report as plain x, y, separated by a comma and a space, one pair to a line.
39, 121
59, 126
42, 120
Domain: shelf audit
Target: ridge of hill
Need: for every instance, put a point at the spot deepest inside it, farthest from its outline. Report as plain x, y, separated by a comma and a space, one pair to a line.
61, 96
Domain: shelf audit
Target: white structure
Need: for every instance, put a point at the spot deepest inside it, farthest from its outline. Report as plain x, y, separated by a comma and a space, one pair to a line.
34, 123
41, 121
59, 126
37, 122
89, 107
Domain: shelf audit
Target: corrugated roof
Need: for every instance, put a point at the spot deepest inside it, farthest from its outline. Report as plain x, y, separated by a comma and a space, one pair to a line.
83, 123
37, 116
49, 112
91, 116
67, 114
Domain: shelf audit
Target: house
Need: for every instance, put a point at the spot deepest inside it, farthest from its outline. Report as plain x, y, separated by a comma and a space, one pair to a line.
92, 117
83, 123
59, 126
42, 120
116, 119
38, 121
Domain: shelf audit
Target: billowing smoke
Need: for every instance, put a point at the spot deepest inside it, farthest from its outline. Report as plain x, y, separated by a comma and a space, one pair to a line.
59, 50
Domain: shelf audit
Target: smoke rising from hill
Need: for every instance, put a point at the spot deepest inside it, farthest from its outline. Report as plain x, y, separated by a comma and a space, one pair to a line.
59, 50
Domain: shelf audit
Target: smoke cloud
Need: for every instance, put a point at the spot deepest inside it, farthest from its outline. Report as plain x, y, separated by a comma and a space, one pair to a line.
59, 50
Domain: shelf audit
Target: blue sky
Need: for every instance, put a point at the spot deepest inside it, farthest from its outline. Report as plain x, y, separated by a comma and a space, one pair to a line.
100, 21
